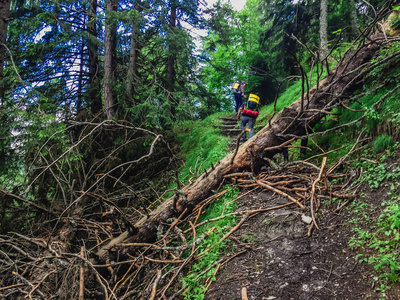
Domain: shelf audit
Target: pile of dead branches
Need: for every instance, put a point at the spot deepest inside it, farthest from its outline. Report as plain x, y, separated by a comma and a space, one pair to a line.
43, 268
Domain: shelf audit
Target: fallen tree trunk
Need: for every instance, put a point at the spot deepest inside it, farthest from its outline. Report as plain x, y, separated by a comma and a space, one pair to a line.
305, 113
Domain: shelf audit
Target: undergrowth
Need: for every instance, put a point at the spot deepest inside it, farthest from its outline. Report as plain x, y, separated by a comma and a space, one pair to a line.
211, 248
201, 144
377, 239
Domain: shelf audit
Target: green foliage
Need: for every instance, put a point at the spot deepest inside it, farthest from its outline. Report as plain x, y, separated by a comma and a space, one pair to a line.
212, 247
385, 241
382, 143
396, 20
201, 145
381, 235
374, 175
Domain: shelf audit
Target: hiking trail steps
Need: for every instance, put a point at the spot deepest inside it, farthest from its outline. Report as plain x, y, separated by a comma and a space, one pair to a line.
230, 127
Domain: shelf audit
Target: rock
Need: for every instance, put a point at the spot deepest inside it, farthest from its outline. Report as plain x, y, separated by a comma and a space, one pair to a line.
306, 219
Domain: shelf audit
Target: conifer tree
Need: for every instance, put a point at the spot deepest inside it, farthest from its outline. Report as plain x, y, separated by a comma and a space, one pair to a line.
323, 30
130, 84
4, 18
110, 59
94, 84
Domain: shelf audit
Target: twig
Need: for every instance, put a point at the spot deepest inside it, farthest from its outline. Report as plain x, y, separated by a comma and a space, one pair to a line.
313, 198
244, 293
237, 143
82, 277
11, 286
232, 175
244, 218
281, 145
178, 271
342, 205
99, 278
209, 281
175, 222
25, 200
12, 61
310, 229
154, 289
325, 153
280, 193
40, 282
330, 273
165, 261
343, 158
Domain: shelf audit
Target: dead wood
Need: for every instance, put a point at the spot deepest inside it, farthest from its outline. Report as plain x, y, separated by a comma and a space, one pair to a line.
313, 198
154, 289
244, 293
82, 277
269, 187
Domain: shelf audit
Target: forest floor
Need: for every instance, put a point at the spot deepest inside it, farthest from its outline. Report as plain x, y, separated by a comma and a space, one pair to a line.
280, 261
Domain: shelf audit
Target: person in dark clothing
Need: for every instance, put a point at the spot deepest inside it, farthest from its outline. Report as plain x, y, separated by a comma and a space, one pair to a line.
239, 95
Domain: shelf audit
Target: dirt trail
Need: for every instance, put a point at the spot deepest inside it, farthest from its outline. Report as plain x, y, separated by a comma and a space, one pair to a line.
282, 262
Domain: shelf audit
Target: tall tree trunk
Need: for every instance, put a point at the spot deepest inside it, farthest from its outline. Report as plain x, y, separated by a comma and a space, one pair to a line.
323, 30
171, 56
4, 15
354, 19
94, 87
110, 60
80, 79
130, 78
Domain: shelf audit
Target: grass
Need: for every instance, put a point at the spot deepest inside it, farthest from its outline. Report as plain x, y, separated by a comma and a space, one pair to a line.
201, 144
211, 246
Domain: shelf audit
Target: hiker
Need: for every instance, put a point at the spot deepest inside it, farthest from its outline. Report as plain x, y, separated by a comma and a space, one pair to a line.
249, 112
239, 94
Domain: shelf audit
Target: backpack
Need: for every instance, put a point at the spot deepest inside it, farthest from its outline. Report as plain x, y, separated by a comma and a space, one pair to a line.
235, 86
253, 101
251, 109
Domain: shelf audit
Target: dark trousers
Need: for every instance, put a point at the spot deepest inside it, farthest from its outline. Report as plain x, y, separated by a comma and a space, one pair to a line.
250, 121
238, 100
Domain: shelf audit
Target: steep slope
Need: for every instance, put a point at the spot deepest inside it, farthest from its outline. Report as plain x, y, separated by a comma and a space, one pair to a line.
293, 121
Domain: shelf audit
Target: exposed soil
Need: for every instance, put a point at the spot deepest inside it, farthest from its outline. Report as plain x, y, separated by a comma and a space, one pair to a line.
282, 262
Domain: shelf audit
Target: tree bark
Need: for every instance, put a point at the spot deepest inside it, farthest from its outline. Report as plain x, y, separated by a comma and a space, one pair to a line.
4, 16
354, 19
323, 30
171, 56
79, 100
110, 59
94, 88
132, 68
